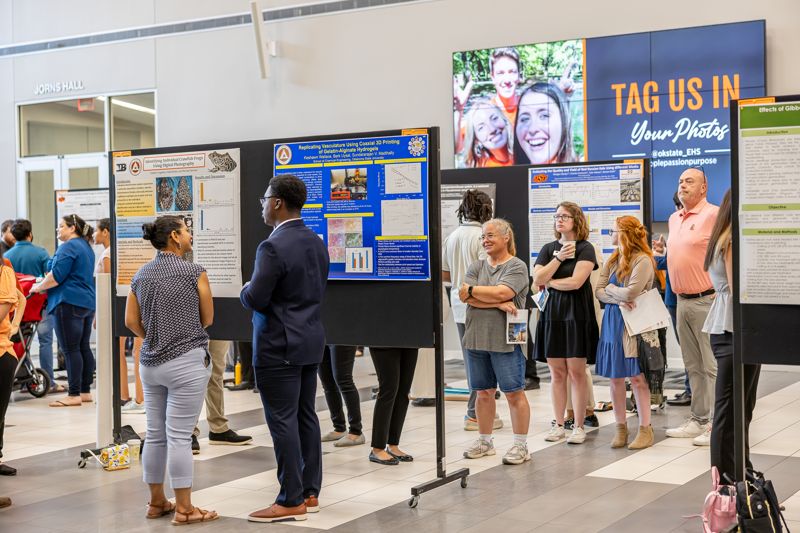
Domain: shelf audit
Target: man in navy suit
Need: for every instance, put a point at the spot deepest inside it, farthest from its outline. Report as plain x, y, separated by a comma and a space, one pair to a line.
285, 294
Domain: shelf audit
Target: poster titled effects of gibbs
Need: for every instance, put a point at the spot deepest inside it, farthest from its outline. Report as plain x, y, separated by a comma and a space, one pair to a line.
203, 187
368, 200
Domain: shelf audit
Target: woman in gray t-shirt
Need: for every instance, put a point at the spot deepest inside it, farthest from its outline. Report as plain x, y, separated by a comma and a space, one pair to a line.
492, 288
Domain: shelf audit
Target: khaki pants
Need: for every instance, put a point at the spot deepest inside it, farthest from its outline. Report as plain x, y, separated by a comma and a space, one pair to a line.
701, 367
215, 401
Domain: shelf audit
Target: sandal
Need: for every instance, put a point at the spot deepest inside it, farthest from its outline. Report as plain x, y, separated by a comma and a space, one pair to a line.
603, 406
62, 403
205, 516
162, 509
56, 388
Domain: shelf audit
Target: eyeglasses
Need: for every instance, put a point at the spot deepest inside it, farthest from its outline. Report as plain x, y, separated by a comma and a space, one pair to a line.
562, 217
264, 199
613, 231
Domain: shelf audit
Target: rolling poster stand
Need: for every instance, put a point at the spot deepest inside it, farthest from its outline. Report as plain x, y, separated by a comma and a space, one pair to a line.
409, 313
765, 188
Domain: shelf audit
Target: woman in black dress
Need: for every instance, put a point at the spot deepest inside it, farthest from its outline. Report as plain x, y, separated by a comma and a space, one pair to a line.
567, 333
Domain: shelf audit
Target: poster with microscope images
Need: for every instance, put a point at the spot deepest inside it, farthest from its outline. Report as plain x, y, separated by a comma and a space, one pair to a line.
202, 187
368, 201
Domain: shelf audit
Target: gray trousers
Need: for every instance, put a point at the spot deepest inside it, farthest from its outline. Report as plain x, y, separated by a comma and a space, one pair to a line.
173, 398
701, 367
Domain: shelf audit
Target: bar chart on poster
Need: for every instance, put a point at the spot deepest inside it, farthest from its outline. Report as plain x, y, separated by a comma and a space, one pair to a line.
368, 200
203, 188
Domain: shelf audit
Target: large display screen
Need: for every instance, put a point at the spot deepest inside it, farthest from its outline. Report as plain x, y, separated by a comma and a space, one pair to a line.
663, 95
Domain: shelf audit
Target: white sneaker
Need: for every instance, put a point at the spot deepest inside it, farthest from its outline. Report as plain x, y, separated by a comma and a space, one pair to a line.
479, 448
688, 430
704, 439
133, 408
555, 434
578, 436
516, 455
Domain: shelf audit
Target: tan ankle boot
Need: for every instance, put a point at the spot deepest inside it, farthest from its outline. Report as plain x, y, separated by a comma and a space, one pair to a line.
644, 439
620, 437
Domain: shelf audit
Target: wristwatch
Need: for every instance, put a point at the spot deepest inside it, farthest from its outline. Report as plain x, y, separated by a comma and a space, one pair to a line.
469, 291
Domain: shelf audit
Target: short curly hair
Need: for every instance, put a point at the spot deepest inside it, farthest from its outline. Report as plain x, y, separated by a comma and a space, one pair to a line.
290, 189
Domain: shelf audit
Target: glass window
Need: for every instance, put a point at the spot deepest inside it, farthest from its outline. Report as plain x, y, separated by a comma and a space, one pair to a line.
133, 121
60, 128
41, 207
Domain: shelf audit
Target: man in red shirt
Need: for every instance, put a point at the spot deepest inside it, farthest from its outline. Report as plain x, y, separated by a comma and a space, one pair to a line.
689, 232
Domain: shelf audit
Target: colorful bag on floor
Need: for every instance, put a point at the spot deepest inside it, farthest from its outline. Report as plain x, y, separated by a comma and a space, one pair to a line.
116, 457
757, 505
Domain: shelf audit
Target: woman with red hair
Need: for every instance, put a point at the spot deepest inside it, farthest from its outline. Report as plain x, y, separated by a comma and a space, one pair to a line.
628, 273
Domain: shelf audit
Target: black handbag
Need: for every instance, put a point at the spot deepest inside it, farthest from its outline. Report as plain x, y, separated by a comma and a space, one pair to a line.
651, 357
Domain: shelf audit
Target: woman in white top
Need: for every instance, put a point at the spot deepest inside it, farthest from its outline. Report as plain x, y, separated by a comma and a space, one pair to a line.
102, 237
719, 325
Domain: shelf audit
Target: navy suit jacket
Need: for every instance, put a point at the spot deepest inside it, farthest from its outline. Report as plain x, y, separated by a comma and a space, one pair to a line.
285, 295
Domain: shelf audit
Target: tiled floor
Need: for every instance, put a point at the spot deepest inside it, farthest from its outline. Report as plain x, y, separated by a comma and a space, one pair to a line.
565, 488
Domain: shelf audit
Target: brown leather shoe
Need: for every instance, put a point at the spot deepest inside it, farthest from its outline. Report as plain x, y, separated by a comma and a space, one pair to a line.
312, 504
278, 513
4, 501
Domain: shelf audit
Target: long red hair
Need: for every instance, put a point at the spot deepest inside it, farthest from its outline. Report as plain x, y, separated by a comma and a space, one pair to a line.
632, 242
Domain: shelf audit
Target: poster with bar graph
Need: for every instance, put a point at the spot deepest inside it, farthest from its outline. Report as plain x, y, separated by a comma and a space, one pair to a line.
368, 200
200, 186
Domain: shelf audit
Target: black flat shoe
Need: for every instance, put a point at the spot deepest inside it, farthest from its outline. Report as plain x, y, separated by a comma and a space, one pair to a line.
375, 459
402, 458
6, 470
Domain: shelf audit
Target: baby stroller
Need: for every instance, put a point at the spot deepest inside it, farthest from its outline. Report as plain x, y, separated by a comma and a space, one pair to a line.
28, 377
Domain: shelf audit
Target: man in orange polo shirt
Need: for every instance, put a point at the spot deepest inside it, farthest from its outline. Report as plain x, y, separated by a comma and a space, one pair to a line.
689, 233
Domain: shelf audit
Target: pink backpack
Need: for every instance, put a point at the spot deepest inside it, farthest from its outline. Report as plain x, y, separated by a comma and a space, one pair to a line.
719, 509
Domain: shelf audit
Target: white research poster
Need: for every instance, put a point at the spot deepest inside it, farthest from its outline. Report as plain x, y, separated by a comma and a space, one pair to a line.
769, 202
201, 186
605, 191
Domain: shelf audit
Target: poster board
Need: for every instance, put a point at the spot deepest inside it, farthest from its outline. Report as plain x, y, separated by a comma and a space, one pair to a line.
396, 321
89, 204
766, 229
451, 199
368, 201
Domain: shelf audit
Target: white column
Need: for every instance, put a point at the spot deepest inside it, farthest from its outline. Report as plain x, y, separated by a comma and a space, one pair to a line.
105, 369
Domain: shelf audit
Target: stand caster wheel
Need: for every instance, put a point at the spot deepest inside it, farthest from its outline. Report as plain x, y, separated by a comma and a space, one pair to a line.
463, 483
413, 501
81, 463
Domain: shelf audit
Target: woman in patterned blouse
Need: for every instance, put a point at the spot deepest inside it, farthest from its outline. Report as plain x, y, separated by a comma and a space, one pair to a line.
169, 306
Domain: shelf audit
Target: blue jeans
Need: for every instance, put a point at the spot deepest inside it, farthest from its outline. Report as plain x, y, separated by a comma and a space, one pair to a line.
74, 329
45, 335
173, 397
487, 370
473, 396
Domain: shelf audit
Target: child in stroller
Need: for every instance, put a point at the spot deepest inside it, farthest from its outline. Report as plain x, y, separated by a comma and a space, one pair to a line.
28, 377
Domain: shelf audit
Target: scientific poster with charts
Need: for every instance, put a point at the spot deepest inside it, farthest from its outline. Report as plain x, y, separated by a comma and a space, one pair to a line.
605, 191
203, 187
89, 204
368, 201
769, 201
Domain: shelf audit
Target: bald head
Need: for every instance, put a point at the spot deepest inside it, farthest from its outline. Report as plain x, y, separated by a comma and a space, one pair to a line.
692, 187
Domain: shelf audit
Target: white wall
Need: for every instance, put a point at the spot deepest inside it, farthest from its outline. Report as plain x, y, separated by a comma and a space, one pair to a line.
374, 69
